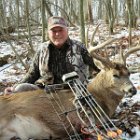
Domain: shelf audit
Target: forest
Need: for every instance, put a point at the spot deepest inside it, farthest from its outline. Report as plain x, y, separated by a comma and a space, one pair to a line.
16, 14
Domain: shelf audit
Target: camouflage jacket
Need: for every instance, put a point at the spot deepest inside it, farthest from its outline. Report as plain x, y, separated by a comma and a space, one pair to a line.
77, 59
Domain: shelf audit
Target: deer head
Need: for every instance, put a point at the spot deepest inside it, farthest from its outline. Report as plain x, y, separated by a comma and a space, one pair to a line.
113, 82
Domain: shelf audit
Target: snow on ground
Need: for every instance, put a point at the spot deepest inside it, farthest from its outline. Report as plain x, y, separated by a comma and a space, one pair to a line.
135, 78
137, 137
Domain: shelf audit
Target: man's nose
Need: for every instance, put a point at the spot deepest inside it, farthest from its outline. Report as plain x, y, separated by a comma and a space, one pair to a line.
57, 33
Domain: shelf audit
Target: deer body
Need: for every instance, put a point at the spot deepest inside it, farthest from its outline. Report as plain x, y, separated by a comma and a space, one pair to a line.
33, 114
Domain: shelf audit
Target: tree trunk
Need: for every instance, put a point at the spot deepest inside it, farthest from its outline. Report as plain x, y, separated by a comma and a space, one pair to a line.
48, 9
2, 15
17, 3
110, 15
131, 19
82, 22
43, 19
100, 10
90, 11
55, 7
28, 27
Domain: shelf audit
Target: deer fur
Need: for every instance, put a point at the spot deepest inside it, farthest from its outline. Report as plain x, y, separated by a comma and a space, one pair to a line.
31, 115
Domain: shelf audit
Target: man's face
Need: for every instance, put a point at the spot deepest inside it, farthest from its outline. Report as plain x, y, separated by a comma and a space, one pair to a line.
58, 36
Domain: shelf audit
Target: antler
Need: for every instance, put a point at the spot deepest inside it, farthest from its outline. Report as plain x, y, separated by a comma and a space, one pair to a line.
130, 51
107, 61
92, 50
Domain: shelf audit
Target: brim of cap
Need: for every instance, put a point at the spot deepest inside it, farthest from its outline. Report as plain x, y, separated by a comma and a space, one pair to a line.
57, 25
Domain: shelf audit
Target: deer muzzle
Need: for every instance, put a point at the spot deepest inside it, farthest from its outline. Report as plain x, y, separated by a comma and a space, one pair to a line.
131, 91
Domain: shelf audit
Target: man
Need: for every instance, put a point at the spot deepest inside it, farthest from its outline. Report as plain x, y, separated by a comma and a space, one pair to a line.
58, 56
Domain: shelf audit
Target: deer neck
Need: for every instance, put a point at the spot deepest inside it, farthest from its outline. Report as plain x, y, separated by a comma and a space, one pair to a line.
101, 89
98, 83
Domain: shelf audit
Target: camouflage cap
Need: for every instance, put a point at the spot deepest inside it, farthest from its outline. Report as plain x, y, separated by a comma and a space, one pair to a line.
56, 22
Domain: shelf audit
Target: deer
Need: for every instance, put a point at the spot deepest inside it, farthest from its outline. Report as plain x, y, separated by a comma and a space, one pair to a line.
36, 114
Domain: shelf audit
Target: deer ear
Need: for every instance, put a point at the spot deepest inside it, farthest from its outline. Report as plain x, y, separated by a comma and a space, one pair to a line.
99, 64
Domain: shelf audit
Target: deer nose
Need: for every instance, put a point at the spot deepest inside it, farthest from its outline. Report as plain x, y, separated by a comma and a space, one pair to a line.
133, 90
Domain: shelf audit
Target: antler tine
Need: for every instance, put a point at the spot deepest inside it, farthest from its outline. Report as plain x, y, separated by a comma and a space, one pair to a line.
105, 61
122, 57
130, 51
92, 50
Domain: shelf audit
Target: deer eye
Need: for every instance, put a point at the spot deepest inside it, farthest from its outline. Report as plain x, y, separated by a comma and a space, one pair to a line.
116, 76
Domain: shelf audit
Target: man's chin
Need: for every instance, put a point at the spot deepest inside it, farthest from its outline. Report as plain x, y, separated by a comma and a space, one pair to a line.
58, 44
